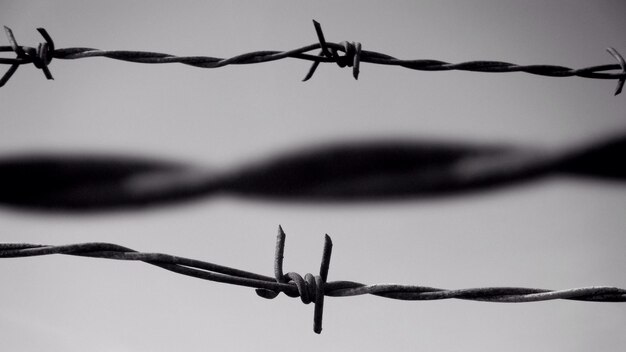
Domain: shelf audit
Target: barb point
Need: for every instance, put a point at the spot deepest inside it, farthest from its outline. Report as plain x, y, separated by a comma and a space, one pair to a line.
622, 64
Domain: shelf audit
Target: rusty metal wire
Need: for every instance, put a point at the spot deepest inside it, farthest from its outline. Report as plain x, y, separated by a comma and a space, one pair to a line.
359, 171
310, 288
351, 56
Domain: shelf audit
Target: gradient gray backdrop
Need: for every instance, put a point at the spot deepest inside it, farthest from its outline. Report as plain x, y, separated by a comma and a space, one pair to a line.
556, 233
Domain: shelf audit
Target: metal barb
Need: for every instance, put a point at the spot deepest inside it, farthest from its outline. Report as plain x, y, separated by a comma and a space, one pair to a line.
279, 255
44, 54
310, 288
20, 56
622, 64
323, 51
40, 57
320, 283
13, 42
320, 37
357, 60
351, 57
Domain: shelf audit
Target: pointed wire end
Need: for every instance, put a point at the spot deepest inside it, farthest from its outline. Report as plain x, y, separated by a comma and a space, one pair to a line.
326, 253
44, 33
327, 240
13, 42
11, 38
308, 76
281, 234
280, 249
278, 266
622, 64
318, 28
610, 49
46, 72
324, 50
311, 71
7, 75
357, 61
328, 248
320, 37
320, 282
279, 275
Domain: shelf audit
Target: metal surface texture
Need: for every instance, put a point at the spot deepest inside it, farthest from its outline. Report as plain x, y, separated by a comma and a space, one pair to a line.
343, 54
310, 288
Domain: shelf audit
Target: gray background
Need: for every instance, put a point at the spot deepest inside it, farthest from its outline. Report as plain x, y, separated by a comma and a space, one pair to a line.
556, 233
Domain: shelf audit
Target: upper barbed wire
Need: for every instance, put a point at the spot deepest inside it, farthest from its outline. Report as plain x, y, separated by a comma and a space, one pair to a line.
352, 56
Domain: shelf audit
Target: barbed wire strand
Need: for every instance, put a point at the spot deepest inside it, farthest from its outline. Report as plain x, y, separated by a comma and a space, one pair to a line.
351, 56
349, 172
310, 288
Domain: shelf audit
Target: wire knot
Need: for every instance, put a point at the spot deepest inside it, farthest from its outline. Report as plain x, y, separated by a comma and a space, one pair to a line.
350, 58
310, 288
40, 57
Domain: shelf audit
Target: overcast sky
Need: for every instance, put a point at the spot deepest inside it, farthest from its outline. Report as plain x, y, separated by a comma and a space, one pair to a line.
556, 233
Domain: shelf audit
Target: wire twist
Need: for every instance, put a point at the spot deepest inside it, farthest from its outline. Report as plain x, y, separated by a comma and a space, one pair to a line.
310, 288
352, 57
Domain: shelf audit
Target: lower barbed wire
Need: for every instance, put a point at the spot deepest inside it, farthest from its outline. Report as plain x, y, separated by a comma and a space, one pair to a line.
310, 288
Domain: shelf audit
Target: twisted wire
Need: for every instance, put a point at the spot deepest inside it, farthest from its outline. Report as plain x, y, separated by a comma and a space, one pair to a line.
350, 172
352, 56
310, 288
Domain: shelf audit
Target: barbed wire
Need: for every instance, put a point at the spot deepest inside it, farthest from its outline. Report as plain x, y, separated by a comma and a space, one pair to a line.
344, 54
310, 288
348, 172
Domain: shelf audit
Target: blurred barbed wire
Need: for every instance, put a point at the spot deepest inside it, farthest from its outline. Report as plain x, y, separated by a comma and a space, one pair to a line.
344, 54
348, 172
310, 288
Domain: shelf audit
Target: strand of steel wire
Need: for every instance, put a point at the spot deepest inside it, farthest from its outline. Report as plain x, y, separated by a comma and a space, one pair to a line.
310, 288
352, 56
348, 172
